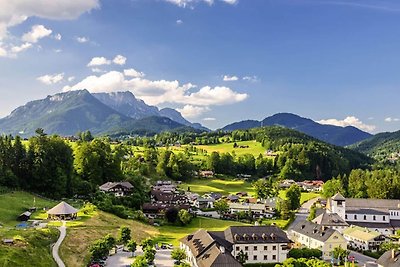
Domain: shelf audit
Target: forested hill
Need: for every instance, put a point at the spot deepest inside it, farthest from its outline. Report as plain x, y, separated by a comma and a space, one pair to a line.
381, 146
301, 156
341, 136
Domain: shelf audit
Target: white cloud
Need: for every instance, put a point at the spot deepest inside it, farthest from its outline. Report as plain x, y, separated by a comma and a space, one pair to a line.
190, 111
119, 60
349, 121
179, 22
159, 91
133, 73
57, 37
3, 51
98, 70
17, 49
51, 78
209, 119
15, 12
250, 78
71, 78
82, 39
57, 50
228, 78
37, 32
390, 119
231, 2
98, 61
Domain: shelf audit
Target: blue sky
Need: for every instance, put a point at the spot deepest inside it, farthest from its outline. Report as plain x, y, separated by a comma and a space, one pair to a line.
335, 61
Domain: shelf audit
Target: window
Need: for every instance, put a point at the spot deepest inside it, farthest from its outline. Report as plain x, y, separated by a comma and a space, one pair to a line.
273, 247
274, 257
345, 216
384, 217
355, 217
246, 248
365, 217
374, 218
255, 247
265, 247
265, 257
237, 248
255, 257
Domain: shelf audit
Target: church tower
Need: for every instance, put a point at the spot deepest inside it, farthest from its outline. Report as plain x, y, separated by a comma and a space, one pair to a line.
338, 205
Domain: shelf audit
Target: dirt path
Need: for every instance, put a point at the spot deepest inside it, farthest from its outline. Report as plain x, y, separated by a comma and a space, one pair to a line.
63, 233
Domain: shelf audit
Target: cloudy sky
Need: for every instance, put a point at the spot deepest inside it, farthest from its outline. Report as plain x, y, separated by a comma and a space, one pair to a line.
216, 61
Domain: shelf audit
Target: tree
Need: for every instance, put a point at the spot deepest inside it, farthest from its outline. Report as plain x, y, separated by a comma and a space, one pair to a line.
221, 206
110, 241
265, 188
99, 249
132, 246
388, 246
171, 214
178, 255
293, 194
340, 253
149, 254
140, 261
332, 187
124, 235
313, 211
283, 207
147, 243
242, 257
184, 217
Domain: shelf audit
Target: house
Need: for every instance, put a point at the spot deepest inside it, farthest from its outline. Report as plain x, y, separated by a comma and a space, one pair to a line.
157, 210
331, 220
390, 258
216, 196
232, 198
206, 174
119, 189
165, 186
159, 196
312, 235
258, 210
363, 238
25, 216
286, 183
311, 186
204, 203
259, 244
242, 194
382, 215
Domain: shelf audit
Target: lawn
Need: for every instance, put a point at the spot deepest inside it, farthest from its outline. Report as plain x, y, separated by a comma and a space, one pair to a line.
74, 249
305, 196
225, 187
171, 234
254, 148
14, 203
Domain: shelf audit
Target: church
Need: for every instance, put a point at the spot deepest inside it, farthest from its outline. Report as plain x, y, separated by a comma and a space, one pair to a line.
382, 215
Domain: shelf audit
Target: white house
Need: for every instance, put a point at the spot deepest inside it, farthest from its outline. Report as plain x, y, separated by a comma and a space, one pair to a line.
259, 210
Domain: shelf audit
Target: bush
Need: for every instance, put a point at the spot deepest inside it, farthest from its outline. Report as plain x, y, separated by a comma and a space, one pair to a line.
298, 253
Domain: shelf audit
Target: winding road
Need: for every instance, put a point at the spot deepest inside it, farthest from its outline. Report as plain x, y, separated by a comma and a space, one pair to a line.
56, 256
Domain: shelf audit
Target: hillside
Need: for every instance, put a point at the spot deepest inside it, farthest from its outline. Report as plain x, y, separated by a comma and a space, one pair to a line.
340, 136
381, 146
75, 111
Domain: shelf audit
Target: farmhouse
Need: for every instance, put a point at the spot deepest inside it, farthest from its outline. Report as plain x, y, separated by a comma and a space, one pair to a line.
119, 189
382, 215
157, 210
363, 238
258, 210
315, 236
260, 244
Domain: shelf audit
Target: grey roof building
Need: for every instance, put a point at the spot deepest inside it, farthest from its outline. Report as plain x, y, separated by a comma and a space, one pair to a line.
390, 258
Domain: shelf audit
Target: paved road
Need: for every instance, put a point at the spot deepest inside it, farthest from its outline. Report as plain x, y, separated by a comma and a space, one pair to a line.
63, 233
123, 259
303, 212
363, 260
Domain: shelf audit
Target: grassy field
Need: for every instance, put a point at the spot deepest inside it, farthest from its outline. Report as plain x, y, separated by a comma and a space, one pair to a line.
31, 247
225, 187
305, 196
74, 249
255, 148
171, 234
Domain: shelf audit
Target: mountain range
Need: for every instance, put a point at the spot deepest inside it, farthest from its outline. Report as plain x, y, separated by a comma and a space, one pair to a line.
336, 135
70, 112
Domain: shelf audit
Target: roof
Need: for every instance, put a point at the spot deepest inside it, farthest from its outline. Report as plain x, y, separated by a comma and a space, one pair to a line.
352, 210
361, 233
376, 225
249, 206
214, 257
107, 186
62, 208
338, 197
373, 203
389, 260
255, 235
26, 213
330, 219
314, 231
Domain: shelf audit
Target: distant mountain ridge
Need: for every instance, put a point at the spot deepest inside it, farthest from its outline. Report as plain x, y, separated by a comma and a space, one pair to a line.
71, 112
336, 135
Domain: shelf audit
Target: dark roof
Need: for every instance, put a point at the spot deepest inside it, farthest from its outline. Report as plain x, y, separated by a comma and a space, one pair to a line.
209, 249
373, 203
109, 185
216, 196
313, 230
338, 197
372, 225
255, 234
162, 196
156, 207
330, 219
353, 210
387, 259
